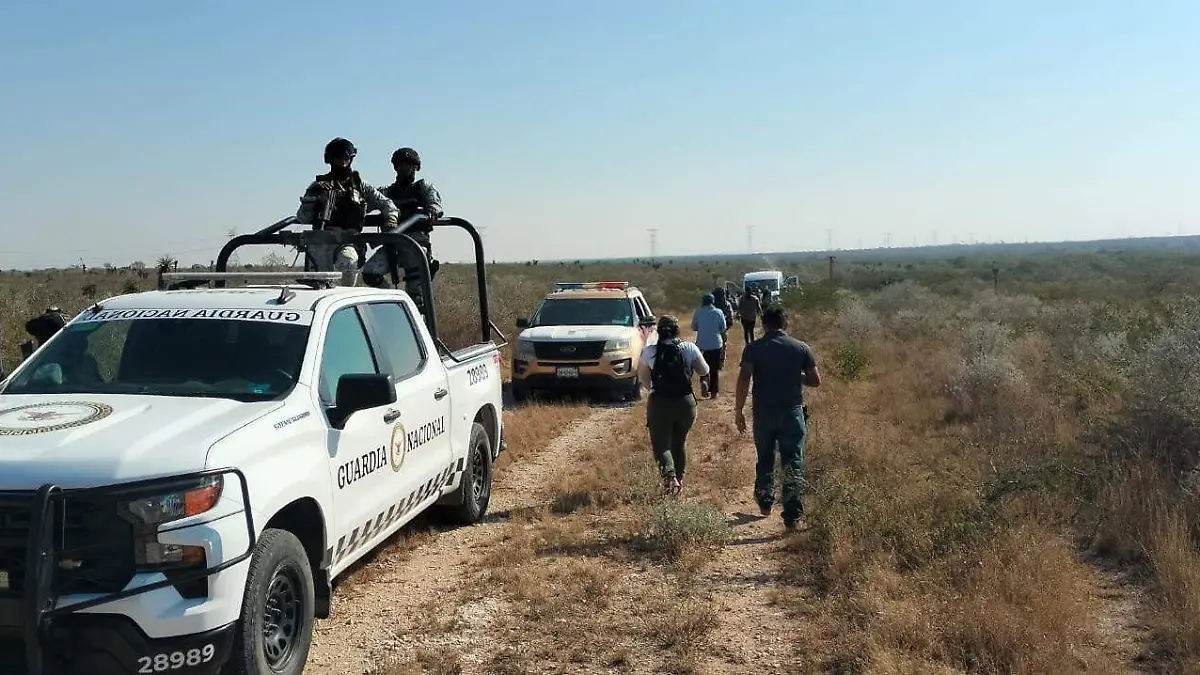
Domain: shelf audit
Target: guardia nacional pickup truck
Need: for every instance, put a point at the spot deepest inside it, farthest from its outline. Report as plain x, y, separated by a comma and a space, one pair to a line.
184, 473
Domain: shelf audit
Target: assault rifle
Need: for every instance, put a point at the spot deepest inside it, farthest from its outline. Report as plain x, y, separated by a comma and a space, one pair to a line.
325, 204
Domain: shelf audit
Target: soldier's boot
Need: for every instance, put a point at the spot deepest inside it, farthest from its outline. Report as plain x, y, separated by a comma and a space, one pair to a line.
412, 285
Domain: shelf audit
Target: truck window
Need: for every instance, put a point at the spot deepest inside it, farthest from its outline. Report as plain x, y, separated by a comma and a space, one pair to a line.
346, 351
244, 360
404, 350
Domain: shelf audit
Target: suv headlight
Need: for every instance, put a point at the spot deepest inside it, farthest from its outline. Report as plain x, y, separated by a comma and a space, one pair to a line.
149, 512
618, 345
525, 350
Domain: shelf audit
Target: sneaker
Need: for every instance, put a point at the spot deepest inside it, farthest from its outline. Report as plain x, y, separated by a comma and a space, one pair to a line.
671, 484
679, 486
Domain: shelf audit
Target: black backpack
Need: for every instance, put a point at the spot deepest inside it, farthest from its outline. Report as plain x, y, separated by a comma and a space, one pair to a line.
669, 376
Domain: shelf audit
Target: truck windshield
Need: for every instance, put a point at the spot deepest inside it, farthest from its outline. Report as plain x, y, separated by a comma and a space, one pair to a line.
584, 312
246, 360
763, 285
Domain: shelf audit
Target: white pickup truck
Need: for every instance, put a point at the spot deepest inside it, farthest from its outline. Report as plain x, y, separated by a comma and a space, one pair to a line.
183, 473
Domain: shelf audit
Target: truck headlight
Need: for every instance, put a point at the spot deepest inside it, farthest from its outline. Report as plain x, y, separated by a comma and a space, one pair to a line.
525, 350
618, 345
149, 512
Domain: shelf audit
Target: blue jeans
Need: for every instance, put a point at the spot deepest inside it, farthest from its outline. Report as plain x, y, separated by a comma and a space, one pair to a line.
784, 431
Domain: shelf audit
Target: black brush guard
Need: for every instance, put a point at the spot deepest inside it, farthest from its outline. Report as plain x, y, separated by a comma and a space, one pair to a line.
393, 241
44, 553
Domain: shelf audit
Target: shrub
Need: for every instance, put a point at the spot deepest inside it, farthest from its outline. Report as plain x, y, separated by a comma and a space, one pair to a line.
676, 526
851, 362
857, 323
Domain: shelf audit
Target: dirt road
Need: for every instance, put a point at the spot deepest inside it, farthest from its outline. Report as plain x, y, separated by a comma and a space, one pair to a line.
375, 616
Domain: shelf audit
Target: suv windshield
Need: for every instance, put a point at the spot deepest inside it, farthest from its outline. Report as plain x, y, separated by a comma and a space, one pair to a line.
191, 353
584, 312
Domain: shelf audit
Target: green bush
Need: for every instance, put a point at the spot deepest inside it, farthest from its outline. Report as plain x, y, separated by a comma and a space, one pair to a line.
851, 362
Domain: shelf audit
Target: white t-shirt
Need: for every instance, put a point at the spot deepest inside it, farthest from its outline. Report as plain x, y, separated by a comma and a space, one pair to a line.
693, 359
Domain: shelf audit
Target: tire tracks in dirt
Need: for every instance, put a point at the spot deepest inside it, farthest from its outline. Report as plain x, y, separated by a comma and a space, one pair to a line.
369, 620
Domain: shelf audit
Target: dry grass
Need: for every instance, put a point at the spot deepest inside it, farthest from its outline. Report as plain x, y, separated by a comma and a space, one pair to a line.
971, 455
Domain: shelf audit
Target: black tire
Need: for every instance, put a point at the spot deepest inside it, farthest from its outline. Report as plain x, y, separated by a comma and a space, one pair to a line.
520, 393
279, 600
476, 485
635, 394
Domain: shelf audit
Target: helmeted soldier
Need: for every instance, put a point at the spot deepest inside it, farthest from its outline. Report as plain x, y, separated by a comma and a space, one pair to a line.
411, 196
339, 201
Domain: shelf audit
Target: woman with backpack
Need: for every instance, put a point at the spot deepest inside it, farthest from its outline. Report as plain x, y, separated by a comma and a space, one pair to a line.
666, 369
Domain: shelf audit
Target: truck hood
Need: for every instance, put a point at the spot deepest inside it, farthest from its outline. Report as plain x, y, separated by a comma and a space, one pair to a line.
570, 333
78, 440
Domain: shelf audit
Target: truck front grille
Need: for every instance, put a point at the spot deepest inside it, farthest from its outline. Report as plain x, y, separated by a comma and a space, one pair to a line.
569, 351
14, 538
96, 547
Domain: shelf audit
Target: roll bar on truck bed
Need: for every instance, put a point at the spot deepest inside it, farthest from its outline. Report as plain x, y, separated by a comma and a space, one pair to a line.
394, 241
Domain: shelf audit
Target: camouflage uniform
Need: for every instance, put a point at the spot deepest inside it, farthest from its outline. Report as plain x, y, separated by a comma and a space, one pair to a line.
354, 198
412, 196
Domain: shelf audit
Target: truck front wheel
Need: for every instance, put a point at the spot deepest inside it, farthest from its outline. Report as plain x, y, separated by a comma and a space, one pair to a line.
275, 631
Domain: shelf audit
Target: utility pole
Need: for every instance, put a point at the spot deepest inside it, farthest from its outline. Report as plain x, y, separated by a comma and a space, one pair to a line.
996, 278
653, 242
887, 240
750, 239
828, 239
831, 259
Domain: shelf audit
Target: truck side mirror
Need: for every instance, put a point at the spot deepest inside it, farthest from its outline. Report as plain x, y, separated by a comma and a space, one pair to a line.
360, 391
522, 323
648, 322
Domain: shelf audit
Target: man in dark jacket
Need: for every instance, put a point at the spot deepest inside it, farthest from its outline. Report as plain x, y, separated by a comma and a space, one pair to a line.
721, 301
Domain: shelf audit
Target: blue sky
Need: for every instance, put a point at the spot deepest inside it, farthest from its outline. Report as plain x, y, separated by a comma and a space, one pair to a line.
138, 128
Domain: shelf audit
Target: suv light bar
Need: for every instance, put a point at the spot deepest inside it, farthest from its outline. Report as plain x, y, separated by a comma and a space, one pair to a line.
590, 285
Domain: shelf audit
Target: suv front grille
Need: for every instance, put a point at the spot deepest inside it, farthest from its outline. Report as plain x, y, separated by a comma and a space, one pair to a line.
569, 351
97, 546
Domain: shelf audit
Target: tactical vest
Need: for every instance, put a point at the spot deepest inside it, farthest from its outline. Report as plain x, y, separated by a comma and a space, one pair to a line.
409, 198
350, 206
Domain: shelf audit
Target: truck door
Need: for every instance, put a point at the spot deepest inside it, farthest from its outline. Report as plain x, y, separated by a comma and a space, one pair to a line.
420, 450
358, 456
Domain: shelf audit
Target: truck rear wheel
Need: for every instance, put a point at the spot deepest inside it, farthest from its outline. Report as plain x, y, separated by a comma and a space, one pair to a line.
275, 632
476, 484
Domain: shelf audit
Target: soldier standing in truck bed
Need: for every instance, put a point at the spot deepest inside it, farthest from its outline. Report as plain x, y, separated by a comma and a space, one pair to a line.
352, 197
412, 195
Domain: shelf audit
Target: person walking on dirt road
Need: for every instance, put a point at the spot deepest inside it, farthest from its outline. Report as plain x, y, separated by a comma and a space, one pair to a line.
666, 368
711, 332
780, 366
749, 309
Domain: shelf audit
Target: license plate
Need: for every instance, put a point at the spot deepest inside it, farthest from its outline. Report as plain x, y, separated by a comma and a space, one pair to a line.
568, 371
4, 583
